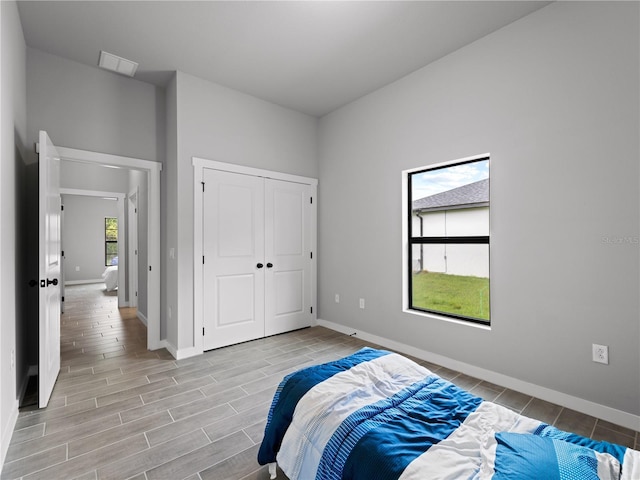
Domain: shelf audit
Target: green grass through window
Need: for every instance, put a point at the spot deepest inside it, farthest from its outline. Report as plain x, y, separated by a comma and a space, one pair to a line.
452, 294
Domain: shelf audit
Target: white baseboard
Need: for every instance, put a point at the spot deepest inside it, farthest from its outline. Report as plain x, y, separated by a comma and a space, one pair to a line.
587, 407
180, 353
7, 433
83, 282
142, 318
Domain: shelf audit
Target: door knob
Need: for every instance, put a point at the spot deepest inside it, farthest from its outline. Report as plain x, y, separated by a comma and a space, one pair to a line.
259, 265
54, 281
269, 265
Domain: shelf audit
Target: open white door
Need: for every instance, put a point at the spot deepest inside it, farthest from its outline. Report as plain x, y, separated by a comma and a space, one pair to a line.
50, 271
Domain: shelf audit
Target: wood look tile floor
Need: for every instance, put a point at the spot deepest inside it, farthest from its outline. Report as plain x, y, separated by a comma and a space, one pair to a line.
121, 412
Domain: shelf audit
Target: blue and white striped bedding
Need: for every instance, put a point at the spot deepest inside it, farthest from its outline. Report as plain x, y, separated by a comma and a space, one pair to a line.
378, 415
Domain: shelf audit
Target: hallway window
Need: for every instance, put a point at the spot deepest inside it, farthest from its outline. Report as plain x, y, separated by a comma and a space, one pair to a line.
110, 241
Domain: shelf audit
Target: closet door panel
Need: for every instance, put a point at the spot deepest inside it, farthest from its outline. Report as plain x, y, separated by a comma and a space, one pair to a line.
233, 246
287, 250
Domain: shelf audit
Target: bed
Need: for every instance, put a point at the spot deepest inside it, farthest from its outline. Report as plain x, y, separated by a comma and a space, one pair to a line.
110, 277
376, 415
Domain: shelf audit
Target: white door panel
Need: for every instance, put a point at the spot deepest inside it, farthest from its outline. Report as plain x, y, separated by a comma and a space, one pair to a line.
287, 249
50, 268
233, 246
257, 266
289, 292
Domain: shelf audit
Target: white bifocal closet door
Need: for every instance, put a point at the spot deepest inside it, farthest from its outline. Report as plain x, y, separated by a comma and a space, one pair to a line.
233, 246
287, 250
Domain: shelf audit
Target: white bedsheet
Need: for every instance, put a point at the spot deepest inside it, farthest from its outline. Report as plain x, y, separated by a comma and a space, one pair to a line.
110, 277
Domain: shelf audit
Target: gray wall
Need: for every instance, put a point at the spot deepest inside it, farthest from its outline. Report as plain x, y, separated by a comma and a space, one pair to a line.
169, 209
221, 124
91, 109
554, 98
87, 176
83, 236
13, 171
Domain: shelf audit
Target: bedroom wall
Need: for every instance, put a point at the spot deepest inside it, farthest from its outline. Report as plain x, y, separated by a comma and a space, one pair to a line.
85, 176
83, 236
89, 108
222, 124
13, 124
554, 98
169, 209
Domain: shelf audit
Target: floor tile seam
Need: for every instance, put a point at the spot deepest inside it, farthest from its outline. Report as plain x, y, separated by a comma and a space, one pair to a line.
85, 435
633, 437
230, 457
22, 459
47, 419
527, 404
64, 388
100, 465
184, 454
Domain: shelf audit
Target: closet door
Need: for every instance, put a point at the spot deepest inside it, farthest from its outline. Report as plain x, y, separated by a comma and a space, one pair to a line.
233, 247
287, 255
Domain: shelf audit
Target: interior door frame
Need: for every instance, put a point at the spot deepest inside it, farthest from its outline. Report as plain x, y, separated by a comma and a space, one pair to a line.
152, 169
132, 235
198, 248
122, 255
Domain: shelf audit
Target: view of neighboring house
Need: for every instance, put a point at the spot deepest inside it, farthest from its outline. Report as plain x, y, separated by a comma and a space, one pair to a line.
462, 211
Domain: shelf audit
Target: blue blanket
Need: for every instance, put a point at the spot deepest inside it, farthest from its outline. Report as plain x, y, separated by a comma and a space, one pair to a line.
379, 415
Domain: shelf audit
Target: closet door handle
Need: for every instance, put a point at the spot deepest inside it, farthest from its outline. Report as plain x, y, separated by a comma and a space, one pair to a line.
259, 265
269, 265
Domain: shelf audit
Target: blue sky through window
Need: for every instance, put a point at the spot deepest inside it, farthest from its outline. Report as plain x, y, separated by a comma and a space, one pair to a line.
429, 183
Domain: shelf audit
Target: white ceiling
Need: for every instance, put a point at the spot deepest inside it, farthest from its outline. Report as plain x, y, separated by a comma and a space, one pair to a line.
310, 56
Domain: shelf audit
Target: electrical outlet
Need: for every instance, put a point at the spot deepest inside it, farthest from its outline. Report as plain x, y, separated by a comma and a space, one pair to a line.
337, 298
600, 353
362, 303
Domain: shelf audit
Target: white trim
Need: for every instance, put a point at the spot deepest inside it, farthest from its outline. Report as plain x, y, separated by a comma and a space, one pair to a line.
448, 162
181, 353
84, 282
122, 255
132, 235
405, 243
587, 407
107, 159
314, 249
153, 251
198, 250
8, 432
200, 163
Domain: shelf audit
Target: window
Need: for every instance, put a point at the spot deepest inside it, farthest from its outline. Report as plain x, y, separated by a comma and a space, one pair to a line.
447, 227
110, 241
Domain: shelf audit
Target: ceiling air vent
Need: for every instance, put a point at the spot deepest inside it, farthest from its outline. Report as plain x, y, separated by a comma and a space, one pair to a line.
112, 62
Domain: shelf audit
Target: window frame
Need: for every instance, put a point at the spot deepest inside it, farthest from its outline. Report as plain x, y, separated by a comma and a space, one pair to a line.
409, 241
107, 242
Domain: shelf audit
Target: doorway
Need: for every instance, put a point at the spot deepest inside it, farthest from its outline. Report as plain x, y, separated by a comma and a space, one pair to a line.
151, 171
